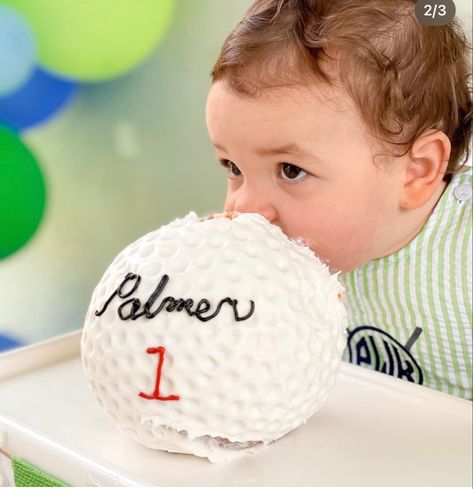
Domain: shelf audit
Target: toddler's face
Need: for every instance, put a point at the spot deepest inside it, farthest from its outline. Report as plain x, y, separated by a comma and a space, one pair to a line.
305, 163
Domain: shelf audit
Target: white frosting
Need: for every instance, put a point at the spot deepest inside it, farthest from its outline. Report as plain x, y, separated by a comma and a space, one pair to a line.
241, 384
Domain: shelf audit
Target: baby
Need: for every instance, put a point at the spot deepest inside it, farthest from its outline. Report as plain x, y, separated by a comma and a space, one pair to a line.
347, 124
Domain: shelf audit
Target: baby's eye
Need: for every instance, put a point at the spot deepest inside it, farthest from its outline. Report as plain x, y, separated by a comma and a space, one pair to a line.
292, 172
233, 170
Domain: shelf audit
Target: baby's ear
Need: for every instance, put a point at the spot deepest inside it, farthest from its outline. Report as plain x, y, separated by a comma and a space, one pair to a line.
425, 168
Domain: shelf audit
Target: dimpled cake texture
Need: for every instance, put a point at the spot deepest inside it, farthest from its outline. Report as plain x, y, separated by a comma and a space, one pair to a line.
218, 387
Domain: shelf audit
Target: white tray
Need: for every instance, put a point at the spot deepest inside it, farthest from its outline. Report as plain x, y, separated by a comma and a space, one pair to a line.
373, 430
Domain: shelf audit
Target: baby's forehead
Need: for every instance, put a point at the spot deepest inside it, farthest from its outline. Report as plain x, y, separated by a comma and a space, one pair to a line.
314, 115
313, 94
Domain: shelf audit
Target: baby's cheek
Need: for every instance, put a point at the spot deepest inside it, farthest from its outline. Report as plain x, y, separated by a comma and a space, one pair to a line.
343, 243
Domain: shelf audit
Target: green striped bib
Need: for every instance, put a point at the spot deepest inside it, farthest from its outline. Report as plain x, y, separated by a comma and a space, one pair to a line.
410, 313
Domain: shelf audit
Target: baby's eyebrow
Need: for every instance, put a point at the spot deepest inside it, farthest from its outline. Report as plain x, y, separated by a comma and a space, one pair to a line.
289, 148
286, 148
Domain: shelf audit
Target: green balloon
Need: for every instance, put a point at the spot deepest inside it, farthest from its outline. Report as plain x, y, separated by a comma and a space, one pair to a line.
92, 40
22, 193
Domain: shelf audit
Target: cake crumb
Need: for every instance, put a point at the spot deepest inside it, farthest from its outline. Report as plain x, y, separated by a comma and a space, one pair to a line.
227, 214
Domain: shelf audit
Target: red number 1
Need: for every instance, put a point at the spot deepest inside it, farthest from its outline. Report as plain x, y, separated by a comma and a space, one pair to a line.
160, 351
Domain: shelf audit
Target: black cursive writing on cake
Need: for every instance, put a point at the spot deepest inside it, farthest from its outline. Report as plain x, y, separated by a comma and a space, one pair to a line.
130, 308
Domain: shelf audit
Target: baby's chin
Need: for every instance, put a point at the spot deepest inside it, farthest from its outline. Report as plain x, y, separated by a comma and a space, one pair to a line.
338, 264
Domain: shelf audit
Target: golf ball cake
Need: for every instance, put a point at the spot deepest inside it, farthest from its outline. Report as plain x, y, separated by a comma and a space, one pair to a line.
214, 336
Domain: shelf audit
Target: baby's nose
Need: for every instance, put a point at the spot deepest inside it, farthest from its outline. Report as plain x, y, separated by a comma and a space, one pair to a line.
251, 201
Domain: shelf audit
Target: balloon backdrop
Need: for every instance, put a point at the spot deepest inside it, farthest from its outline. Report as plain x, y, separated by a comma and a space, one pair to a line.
41, 97
8, 342
17, 50
92, 40
22, 193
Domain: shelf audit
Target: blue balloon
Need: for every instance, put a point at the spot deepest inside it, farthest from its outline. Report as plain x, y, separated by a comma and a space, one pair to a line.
41, 97
17, 50
8, 342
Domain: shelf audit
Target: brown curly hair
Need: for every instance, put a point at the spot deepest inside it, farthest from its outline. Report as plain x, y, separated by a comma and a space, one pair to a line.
404, 77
